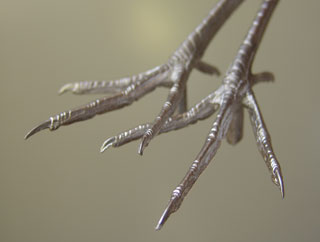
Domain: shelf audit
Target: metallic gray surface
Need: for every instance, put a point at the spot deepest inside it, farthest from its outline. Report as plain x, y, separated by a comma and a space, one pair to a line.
235, 88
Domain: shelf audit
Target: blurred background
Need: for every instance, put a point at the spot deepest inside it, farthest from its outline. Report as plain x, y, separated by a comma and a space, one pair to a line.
58, 187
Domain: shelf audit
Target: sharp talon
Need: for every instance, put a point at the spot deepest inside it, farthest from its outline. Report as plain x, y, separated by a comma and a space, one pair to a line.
146, 138
142, 146
66, 88
109, 142
279, 179
163, 219
44, 125
166, 214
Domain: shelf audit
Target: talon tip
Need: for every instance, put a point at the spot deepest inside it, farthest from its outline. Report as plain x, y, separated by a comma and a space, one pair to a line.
144, 142
141, 147
44, 125
282, 189
109, 142
28, 135
280, 181
158, 227
172, 207
65, 88
165, 215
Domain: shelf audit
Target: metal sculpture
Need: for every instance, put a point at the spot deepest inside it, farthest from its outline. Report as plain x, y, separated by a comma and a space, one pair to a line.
229, 100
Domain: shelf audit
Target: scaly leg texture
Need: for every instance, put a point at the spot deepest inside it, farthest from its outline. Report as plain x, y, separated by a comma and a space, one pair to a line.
173, 74
229, 100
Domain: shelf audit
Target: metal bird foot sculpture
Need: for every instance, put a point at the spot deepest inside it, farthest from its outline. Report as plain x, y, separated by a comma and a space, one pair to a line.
229, 100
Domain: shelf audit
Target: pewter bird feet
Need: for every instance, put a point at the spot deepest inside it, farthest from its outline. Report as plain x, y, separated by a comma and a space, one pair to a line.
229, 100
131, 88
125, 91
237, 84
204, 109
173, 74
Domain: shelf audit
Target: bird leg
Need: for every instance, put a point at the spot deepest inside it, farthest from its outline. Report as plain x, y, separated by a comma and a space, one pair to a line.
175, 72
228, 100
237, 87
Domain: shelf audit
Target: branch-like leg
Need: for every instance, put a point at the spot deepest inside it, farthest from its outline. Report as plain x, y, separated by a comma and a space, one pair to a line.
206, 154
234, 93
200, 111
179, 77
144, 85
204, 68
185, 59
95, 87
179, 66
263, 140
235, 86
103, 87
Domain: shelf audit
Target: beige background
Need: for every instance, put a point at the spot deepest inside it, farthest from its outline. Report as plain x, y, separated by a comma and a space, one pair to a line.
58, 187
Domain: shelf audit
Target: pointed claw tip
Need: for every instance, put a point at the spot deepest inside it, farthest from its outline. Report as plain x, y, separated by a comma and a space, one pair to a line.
140, 151
158, 227
44, 125
109, 142
282, 190
165, 215
280, 182
61, 91
65, 88
141, 147
30, 133
162, 220
26, 136
144, 143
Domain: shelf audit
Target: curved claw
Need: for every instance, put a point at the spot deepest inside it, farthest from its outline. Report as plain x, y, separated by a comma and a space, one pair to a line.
143, 145
45, 125
280, 181
166, 214
67, 87
109, 142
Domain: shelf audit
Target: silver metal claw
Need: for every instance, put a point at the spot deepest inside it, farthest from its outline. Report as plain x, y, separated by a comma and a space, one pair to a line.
280, 181
45, 125
109, 142
166, 214
67, 87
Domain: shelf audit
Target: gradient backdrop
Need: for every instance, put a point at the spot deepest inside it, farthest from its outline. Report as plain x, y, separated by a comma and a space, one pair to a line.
58, 187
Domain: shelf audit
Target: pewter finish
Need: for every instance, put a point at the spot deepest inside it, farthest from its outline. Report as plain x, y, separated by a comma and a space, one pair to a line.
185, 59
229, 100
263, 140
205, 108
176, 71
143, 84
236, 86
